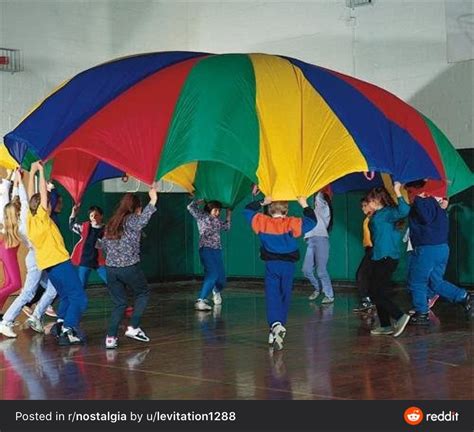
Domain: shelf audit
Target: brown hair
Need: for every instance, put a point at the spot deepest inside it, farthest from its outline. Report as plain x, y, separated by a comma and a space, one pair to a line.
35, 201
10, 224
381, 194
128, 205
278, 207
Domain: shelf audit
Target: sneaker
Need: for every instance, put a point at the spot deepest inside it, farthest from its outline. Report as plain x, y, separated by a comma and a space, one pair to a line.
6, 329
271, 338
401, 324
137, 334
381, 331
202, 305
314, 295
327, 300
364, 305
432, 301
27, 311
35, 324
56, 329
69, 336
111, 342
279, 333
420, 319
467, 302
216, 297
51, 312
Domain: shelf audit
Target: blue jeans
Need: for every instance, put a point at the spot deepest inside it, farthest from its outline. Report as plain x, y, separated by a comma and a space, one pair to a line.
317, 255
84, 273
214, 272
118, 278
427, 267
278, 286
33, 278
72, 297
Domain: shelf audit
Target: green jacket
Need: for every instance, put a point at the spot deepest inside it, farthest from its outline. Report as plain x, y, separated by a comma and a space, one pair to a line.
386, 237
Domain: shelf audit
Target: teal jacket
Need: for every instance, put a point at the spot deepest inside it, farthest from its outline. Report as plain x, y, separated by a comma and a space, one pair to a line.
386, 237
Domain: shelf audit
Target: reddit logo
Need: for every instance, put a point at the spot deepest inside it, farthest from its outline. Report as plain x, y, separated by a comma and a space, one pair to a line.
413, 415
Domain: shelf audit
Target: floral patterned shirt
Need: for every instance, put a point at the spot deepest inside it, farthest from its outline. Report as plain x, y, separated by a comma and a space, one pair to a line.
209, 227
125, 251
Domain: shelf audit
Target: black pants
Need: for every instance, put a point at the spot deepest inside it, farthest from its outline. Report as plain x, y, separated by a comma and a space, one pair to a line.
117, 279
380, 273
363, 274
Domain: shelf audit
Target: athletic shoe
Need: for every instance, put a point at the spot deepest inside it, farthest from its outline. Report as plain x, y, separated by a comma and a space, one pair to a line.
202, 305
6, 329
56, 329
432, 301
35, 324
327, 300
467, 302
128, 312
381, 331
216, 297
271, 338
314, 295
401, 324
279, 333
111, 342
364, 305
27, 311
420, 319
137, 334
69, 336
51, 312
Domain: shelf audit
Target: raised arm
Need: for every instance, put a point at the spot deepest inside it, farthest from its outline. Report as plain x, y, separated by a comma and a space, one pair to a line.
402, 210
73, 225
195, 210
138, 222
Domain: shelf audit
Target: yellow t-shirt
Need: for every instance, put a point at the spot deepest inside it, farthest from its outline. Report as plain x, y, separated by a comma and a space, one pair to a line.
366, 239
46, 239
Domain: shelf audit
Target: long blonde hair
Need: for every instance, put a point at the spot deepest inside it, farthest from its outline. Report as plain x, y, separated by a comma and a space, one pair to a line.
11, 237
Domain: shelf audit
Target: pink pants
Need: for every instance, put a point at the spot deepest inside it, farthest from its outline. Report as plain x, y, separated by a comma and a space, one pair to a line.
11, 270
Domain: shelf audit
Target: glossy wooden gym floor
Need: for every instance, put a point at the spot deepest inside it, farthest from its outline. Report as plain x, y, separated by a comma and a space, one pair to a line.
223, 354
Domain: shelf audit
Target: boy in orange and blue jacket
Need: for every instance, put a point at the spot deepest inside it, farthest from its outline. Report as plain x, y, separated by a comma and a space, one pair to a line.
278, 233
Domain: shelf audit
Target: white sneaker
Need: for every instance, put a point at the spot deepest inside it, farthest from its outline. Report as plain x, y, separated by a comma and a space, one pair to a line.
216, 297
111, 342
327, 300
271, 338
137, 334
202, 305
401, 324
279, 333
314, 295
35, 324
6, 330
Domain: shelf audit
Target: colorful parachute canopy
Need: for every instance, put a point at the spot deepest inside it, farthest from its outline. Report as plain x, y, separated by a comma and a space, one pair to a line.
6, 159
215, 124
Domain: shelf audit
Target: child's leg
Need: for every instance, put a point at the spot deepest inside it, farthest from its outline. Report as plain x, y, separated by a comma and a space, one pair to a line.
45, 301
12, 273
118, 295
419, 271
363, 274
287, 272
134, 277
273, 295
32, 279
322, 257
83, 273
221, 279
64, 278
442, 287
309, 263
102, 272
382, 275
211, 271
